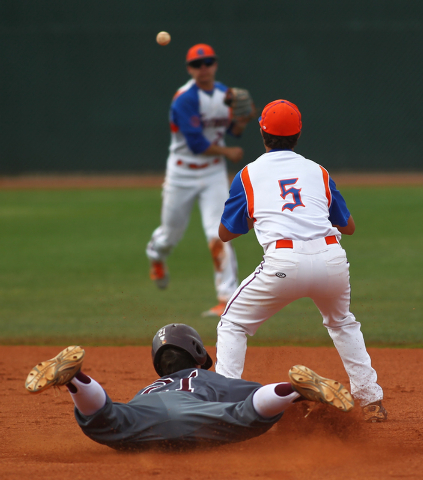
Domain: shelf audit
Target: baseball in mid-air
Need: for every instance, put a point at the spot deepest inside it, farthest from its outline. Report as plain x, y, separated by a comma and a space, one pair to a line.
163, 38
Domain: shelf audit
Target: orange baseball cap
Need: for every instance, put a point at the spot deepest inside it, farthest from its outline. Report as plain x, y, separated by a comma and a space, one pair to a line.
201, 50
281, 118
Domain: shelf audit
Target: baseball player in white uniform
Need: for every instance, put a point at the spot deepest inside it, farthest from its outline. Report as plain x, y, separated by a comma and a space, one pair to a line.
196, 171
298, 216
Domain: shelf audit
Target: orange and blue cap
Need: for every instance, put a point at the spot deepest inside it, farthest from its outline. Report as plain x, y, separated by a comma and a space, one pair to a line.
281, 118
201, 50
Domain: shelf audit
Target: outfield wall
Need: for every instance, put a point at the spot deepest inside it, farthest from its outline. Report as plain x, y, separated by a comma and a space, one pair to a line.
85, 88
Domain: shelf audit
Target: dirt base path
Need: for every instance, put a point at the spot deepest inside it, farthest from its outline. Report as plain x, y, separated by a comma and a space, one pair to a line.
41, 439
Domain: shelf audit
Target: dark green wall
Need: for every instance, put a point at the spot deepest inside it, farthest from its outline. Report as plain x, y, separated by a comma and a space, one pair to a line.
84, 86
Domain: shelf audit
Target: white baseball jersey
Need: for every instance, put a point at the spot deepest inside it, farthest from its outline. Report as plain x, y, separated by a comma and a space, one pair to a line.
287, 196
197, 119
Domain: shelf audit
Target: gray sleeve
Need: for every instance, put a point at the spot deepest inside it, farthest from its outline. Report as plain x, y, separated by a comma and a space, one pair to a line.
121, 425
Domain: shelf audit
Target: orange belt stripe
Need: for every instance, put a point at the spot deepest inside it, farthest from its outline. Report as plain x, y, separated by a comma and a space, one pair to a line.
284, 244
289, 244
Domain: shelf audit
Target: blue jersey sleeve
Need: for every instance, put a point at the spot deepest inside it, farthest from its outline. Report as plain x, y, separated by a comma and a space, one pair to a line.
185, 114
338, 211
235, 213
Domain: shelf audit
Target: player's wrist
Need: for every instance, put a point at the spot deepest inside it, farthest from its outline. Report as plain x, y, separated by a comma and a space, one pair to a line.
214, 150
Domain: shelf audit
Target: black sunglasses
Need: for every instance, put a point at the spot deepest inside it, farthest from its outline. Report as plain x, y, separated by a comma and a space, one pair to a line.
208, 62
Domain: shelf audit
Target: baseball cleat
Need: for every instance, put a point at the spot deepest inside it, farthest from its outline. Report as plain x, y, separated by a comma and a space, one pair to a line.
216, 311
56, 371
318, 389
159, 274
375, 412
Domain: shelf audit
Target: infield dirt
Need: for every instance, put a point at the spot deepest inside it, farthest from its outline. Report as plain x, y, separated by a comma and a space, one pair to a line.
41, 439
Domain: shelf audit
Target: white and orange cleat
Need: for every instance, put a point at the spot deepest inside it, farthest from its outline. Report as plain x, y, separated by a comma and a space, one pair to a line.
159, 274
216, 311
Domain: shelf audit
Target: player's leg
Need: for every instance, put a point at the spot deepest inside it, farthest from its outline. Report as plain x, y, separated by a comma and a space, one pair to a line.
275, 398
211, 201
305, 384
65, 369
177, 203
331, 294
259, 296
87, 395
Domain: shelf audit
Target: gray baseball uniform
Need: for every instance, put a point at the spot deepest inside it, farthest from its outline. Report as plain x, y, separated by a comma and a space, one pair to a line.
189, 408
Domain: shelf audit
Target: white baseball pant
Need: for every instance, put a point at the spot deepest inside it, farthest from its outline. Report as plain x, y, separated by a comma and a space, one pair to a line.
310, 269
211, 192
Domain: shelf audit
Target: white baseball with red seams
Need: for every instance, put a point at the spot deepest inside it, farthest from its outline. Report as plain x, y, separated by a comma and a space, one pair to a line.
163, 38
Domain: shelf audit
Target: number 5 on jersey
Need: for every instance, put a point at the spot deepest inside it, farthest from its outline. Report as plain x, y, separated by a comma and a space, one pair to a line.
295, 192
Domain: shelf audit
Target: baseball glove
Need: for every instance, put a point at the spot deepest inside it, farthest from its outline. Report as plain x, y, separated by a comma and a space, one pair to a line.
241, 103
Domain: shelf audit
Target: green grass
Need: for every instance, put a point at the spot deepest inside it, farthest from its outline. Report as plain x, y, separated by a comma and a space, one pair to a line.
73, 270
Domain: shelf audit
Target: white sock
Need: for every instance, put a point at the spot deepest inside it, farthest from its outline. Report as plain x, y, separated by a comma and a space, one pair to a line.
268, 404
89, 398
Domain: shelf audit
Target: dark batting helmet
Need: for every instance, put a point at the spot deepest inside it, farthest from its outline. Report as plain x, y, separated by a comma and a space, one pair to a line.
182, 336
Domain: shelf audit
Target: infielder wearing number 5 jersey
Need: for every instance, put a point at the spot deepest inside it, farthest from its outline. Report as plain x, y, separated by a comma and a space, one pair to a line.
188, 405
298, 216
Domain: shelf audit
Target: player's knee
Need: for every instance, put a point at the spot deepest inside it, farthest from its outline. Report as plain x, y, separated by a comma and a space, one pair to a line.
341, 321
234, 328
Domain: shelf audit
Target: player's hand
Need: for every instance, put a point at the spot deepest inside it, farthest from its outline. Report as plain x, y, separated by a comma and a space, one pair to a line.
243, 120
234, 154
240, 123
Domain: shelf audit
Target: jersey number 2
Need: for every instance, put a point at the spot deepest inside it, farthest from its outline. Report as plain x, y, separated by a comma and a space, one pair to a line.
295, 192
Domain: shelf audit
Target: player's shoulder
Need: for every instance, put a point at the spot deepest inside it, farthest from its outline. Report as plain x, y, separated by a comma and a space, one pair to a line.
220, 86
281, 160
311, 167
188, 92
257, 163
305, 160
291, 155
210, 373
195, 371
211, 378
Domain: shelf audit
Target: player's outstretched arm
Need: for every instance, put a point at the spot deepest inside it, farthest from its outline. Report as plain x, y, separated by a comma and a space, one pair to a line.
349, 228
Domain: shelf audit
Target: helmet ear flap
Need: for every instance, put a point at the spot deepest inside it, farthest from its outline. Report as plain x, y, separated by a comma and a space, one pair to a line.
201, 352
